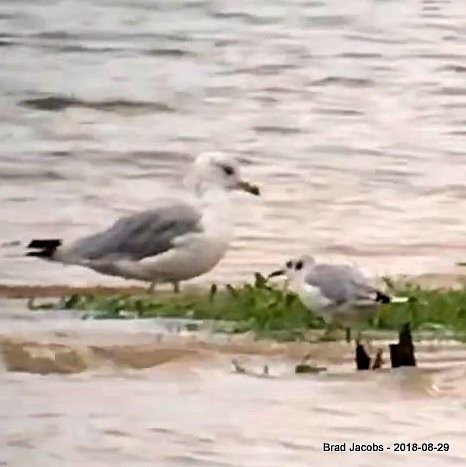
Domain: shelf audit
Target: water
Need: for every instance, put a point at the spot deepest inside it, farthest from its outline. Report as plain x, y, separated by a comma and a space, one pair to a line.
135, 393
350, 115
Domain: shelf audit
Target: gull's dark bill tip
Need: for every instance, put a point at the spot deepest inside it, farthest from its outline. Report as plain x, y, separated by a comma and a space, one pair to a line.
249, 188
255, 190
280, 272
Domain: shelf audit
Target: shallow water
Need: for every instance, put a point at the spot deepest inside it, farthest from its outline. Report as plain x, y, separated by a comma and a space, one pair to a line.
350, 115
76, 392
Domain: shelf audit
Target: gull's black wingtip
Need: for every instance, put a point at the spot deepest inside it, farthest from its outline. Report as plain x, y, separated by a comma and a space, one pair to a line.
45, 243
382, 298
43, 248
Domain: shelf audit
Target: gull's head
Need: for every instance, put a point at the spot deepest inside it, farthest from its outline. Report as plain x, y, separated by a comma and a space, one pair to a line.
295, 268
215, 169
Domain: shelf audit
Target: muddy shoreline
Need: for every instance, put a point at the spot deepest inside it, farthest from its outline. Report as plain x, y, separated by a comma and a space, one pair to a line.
53, 291
430, 281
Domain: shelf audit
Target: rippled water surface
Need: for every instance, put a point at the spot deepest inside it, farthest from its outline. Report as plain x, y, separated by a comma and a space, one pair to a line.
351, 116
76, 392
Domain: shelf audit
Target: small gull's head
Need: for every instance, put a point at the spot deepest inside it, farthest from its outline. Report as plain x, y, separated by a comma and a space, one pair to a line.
219, 170
295, 268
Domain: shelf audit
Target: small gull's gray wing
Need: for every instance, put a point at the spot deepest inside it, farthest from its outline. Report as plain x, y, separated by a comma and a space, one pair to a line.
140, 235
338, 283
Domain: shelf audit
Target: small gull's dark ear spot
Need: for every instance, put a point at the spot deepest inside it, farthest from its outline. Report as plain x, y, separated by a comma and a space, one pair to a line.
289, 264
228, 170
299, 265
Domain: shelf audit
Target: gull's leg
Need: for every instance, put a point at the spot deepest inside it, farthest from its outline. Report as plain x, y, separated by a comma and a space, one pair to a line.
176, 287
351, 313
151, 288
348, 334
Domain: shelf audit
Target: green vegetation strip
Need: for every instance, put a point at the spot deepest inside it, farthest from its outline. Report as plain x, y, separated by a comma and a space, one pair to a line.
267, 310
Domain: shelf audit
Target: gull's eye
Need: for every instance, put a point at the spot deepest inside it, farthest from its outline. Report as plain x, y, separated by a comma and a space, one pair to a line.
299, 265
228, 170
289, 264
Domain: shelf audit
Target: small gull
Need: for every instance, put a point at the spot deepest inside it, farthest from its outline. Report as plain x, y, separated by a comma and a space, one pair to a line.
338, 292
174, 241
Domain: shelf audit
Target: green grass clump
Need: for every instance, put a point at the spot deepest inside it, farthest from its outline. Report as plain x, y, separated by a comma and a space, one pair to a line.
270, 311
427, 310
258, 307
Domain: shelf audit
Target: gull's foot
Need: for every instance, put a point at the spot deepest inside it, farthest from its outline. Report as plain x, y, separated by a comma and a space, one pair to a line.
331, 333
334, 332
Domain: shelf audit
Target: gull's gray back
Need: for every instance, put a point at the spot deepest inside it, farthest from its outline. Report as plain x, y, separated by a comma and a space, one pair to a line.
339, 283
140, 235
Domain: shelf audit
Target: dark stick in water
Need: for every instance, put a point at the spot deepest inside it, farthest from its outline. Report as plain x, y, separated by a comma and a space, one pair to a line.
363, 360
402, 354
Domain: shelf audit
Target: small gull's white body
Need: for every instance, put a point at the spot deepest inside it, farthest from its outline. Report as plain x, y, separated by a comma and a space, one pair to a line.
337, 292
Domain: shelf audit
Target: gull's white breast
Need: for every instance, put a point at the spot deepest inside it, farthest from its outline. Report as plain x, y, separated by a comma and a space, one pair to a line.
312, 296
193, 254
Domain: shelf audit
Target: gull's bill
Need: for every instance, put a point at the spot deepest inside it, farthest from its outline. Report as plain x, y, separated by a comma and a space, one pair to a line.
249, 188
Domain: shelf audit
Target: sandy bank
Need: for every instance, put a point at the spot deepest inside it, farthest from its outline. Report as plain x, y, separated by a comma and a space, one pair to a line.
431, 281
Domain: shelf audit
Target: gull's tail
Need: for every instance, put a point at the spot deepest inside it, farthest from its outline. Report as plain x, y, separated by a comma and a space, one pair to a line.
43, 248
384, 298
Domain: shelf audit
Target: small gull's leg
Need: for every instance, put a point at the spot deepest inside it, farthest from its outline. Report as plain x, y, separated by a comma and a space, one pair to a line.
176, 287
348, 334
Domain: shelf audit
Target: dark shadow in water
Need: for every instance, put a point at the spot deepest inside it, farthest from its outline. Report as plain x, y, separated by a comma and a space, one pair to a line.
57, 103
344, 81
76, 48
276, 129
169, 52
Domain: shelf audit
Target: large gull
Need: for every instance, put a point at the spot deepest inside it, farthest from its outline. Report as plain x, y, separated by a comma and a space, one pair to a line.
174, 241
337, 292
